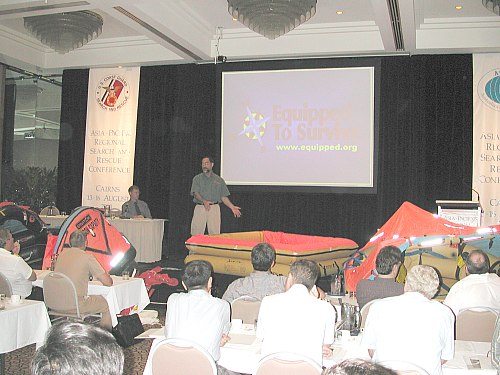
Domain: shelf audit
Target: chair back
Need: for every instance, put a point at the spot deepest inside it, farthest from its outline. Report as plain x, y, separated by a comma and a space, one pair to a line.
476, 324
245, 308
59, 294
5, 286
364, 312
49, 211
287, 363
181, 357
404, 367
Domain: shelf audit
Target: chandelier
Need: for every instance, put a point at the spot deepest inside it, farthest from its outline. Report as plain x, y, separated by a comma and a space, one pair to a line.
272, 18
64, 32
493, 5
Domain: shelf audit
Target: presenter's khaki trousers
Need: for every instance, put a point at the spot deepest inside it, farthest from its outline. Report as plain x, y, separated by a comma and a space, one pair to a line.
203, 218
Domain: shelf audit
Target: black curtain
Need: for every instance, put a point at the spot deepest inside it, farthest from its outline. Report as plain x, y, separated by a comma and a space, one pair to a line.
72, 139
425, 150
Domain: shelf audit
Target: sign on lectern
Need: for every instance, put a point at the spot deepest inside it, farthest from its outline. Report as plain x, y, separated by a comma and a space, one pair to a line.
460, 212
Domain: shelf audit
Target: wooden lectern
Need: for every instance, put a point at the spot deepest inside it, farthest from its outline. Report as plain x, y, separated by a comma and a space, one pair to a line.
460, 212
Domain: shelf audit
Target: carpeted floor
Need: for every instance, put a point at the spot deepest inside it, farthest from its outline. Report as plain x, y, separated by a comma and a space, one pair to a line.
18, 362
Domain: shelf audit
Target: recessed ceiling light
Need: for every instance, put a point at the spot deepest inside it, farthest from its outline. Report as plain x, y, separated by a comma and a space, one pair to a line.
458, 7
235, 19
339, 12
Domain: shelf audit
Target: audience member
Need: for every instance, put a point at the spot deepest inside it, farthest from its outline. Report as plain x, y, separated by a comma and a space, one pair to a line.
411, 327
78, 264
358, 367
295, 321
196, 315
387, 264
478, 288
261, 282
77, 348
134, 207
15, 269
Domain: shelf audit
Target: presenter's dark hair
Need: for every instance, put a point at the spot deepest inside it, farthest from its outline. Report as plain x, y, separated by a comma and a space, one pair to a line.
210, 159
133, 187
304, 272
77, 348
477, 262
387, 258
78, 239
263, 257
196, 274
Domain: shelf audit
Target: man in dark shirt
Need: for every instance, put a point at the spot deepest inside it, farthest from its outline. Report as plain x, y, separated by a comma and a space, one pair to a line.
388, 262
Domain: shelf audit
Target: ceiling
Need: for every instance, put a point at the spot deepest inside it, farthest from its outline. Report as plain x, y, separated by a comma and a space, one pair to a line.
154, 32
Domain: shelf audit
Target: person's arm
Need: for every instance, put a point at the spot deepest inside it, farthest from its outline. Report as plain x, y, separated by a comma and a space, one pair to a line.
32, 276
105, 279
206, 203
235, 209
147, 212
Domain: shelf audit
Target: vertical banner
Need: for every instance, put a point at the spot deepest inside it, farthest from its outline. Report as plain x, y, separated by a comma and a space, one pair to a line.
486, 143
110, 136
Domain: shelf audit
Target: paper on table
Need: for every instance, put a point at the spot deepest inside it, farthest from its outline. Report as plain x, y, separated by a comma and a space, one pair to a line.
152, 333
240, 339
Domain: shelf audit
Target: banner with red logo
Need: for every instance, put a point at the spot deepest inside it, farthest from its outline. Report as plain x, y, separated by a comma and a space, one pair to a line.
486, 143
110, 136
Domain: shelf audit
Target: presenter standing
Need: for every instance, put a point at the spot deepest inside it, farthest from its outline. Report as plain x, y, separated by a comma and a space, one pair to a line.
208, 190
135, 208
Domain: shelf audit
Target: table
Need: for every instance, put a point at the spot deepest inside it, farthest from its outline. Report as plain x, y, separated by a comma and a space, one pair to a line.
22, 324
121, 295
146, 235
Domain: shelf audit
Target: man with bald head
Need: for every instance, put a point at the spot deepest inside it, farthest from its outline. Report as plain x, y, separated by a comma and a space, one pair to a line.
478, 288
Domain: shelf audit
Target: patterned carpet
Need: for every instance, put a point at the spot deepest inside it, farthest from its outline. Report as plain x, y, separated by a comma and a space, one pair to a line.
18, 362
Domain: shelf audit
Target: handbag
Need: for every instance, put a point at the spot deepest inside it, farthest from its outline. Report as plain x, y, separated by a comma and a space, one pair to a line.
128, 327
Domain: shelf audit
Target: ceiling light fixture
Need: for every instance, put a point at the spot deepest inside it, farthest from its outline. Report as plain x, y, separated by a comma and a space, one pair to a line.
64, 32
458, 7
493, 5
339, 12
272, 18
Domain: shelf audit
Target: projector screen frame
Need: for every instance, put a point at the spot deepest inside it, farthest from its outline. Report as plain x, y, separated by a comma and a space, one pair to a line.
303, 64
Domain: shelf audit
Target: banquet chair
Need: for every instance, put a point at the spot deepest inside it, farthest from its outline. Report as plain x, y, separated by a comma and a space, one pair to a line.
287, 363
245, 308
364, 312
179, 357
404, 367
59, 294
46, 210
475, 324
5, 286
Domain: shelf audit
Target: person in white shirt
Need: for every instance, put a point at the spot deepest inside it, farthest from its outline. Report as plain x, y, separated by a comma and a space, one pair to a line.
411, 327
478, 288
15, 269
196, 315
295, 321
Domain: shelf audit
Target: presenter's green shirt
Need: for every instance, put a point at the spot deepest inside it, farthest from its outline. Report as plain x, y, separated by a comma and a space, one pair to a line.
211, 188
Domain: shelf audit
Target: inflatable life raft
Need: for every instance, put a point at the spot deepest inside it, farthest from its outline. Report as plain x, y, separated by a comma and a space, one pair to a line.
229, 253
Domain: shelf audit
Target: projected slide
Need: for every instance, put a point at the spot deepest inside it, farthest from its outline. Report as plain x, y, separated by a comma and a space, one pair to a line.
311, 127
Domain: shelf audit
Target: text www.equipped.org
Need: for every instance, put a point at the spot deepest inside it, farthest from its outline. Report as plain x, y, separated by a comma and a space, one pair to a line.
317, 148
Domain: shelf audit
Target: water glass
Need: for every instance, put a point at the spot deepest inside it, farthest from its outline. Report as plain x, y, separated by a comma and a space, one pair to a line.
125, 275
3, 298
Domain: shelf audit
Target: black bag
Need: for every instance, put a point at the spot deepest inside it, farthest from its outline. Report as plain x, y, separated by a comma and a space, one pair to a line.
127, 328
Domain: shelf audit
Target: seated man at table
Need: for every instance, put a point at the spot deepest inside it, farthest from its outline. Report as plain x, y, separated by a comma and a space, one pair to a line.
478, 288
261, 282
196, 315
387, 264
295, 321
135, 208
78, 264
411, 327
79, 349
14, 268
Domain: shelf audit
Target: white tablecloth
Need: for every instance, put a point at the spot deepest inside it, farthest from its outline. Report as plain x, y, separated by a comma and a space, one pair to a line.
146, 235
121, 295
23, 324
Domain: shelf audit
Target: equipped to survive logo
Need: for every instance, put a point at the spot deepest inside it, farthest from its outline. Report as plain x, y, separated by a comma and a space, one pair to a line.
488, 89
254, 125
112, 92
